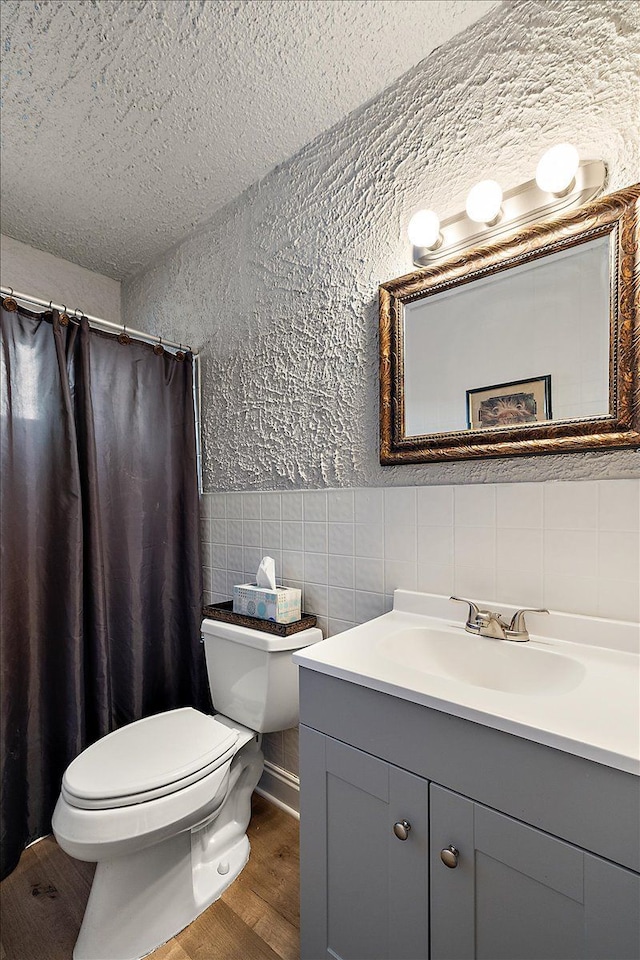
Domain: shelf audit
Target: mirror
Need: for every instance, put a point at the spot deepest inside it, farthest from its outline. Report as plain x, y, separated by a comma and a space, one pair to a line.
526, 346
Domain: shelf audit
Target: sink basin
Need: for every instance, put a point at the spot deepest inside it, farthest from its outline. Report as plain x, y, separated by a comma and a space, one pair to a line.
574, 687
503, 665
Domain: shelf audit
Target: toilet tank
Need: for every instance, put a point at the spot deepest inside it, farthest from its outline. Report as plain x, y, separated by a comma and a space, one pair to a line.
252, 677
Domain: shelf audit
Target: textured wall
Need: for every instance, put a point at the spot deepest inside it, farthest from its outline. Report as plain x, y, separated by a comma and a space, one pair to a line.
33, 271
279, 291
170, 108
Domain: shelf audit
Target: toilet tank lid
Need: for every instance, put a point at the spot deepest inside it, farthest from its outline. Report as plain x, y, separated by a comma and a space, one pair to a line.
258, 639
148, 754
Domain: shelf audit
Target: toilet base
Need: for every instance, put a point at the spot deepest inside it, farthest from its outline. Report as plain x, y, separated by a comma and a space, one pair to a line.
140, 918
141, 900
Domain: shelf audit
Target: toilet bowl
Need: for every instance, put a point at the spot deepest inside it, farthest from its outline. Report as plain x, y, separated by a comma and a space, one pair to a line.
162, 805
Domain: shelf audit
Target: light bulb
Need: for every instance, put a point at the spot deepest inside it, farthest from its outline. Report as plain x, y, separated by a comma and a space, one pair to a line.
483, 202
424, 229
557, 168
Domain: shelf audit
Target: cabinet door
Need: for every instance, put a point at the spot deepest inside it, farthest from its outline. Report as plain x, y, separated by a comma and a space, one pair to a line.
364, 892
520, 894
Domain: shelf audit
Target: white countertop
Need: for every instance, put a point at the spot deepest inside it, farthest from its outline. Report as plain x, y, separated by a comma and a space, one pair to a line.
597, 718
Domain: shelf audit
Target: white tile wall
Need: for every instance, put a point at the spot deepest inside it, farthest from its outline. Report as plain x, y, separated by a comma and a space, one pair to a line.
570, 545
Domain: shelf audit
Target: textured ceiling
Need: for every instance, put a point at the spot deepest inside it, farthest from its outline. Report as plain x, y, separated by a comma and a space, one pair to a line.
128, 123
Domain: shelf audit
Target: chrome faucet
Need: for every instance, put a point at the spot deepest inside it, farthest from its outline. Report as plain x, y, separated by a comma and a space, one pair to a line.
485, 623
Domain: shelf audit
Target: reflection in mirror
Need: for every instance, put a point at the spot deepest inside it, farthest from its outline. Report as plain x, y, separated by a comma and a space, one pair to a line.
528, 345
545, 318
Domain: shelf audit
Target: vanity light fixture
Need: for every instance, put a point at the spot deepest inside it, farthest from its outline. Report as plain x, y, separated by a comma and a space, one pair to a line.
556, 170
424, 230
484, 202
562, 181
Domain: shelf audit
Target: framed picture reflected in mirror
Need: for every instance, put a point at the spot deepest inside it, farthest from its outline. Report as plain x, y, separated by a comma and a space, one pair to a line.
508, 404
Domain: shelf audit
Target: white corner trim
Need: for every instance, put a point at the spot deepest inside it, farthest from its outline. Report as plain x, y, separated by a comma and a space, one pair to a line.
280, 787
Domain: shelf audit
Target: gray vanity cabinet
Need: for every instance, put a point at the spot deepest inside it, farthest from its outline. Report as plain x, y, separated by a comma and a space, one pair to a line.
545, 845
370, 889
519, 894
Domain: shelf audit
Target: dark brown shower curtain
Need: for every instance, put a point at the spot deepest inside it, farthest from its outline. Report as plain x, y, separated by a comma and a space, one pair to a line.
101, 589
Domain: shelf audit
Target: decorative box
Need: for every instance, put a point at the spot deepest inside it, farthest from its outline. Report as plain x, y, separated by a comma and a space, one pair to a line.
283, 605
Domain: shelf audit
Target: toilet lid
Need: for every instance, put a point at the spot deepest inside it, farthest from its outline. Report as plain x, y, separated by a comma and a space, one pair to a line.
150, 757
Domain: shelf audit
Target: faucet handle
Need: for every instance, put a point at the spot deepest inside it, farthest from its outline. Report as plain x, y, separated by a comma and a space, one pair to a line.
518, 625
475, 613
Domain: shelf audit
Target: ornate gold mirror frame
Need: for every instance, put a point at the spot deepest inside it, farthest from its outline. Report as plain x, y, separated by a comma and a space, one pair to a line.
615, 215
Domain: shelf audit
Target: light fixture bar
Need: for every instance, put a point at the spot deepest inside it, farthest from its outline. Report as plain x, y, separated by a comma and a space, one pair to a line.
520, 206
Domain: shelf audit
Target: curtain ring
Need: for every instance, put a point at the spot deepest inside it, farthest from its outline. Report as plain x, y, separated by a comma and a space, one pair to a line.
63, 318
124, 337
9, 303
180, 354
158, 348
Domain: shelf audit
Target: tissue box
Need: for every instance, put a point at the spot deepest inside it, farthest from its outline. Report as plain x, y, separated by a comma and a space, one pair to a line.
284, 604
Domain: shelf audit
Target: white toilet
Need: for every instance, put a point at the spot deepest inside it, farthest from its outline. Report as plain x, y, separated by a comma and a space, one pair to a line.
163, 804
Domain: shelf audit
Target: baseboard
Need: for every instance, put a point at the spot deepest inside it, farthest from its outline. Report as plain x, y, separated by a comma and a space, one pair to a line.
280, 787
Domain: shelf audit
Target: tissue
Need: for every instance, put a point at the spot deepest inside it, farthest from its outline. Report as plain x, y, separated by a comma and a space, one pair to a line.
266, 575
264, 599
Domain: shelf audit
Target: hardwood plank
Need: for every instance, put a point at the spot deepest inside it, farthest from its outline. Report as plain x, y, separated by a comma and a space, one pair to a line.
275, 881
171, 951
276, 930
71, 878
219, 934
37, 923
274, 867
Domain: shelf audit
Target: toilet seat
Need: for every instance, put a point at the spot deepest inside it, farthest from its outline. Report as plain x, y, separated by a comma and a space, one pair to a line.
148, 759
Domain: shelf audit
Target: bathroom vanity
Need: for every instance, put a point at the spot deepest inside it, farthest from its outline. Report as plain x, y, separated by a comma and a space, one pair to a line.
438, 820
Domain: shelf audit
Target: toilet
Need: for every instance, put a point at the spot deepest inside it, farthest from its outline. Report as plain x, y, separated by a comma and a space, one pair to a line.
162, 805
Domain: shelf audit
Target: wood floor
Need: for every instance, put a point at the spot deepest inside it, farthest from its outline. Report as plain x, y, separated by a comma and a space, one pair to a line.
257, 918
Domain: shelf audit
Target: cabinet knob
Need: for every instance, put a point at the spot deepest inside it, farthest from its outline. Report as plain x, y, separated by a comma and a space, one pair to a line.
401, 829
449, 856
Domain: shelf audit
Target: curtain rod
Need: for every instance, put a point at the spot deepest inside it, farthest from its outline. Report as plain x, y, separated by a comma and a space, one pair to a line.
99, 322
